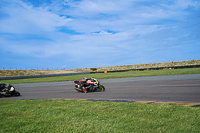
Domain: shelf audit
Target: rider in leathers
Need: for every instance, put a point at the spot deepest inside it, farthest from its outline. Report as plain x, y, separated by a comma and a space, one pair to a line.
88, 84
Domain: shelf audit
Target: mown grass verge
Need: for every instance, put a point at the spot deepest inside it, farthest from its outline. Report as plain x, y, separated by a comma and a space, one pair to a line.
108, 75
33, 116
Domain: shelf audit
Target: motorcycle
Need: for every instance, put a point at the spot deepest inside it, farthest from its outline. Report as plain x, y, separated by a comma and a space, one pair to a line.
88, 85
8, 90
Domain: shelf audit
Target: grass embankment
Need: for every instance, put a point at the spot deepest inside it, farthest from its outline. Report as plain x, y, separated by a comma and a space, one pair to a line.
10, 73
18, 72
108, 75
141, 66
30, 116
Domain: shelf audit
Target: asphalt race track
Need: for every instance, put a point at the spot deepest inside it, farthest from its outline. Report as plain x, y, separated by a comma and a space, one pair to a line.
173, 88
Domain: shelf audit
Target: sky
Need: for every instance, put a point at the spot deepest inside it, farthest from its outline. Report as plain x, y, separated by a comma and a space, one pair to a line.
71, 34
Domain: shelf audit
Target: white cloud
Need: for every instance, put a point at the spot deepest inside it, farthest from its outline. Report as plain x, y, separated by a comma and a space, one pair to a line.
24, 18
105, 28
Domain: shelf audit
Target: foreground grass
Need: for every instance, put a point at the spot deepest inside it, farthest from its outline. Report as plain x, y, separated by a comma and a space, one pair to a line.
108, 75
86, 116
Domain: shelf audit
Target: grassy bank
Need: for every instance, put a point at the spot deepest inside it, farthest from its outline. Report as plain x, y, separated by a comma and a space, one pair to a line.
86, 116
141, 66
18, 72
108, 75
9, 73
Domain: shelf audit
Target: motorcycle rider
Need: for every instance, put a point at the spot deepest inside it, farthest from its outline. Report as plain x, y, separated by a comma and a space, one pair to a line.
88, 84
5, 89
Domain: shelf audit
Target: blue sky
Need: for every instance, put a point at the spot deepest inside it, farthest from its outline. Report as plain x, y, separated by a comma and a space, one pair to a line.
70, 34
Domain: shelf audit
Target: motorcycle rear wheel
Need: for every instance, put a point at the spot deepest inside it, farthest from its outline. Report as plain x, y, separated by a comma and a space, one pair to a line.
100, 88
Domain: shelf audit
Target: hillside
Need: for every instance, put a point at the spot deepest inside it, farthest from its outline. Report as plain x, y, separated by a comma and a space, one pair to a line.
140, 66
7, 73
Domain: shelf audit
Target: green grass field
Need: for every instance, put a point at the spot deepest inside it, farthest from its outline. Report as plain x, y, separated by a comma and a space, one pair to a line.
65, 116
47, 116
108, 75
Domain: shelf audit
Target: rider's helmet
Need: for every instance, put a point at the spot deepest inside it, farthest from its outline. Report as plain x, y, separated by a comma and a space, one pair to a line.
84, 79
12, 88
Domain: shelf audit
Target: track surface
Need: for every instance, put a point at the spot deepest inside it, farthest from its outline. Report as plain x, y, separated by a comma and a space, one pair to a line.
173, 88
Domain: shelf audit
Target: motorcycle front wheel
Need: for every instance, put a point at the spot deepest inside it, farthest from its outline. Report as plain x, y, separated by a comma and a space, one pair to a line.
16, 93
100, 88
